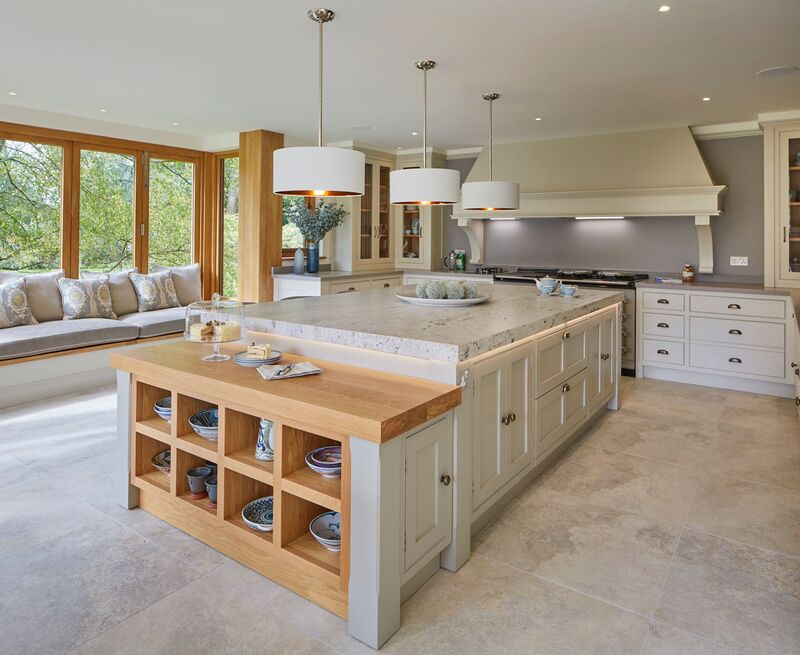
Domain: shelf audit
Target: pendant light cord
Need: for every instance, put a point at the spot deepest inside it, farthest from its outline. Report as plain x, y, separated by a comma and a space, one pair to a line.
491, 141
319, 126
424, 117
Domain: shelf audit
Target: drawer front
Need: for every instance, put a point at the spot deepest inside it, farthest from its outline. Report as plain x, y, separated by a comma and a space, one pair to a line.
559, 356
662, 352
743, 333
671, 301
733, 359
349, 287
559, 411
662, 325
386, 282
733, 306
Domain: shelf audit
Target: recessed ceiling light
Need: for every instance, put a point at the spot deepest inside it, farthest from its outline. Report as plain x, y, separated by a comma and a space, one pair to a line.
103, 111
176, 123
399, 147
706, 99
538, 118
414, 134
664, 9
12, 93
777, 71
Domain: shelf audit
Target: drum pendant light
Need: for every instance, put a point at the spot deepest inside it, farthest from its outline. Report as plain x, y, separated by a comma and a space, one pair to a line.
320, 171
491, 195
424, 186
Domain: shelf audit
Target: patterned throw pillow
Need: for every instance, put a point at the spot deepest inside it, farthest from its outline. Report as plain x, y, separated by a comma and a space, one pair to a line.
14, 308
86, 298
155, 291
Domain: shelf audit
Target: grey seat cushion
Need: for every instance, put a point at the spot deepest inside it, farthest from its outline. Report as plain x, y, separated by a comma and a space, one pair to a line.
157, 322
53, 336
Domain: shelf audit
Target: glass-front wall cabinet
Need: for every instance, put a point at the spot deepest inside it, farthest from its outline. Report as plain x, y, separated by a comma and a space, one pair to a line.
791, 208
375, 235
419, 234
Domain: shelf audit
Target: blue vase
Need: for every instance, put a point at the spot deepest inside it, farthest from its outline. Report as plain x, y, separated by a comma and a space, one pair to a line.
312, 257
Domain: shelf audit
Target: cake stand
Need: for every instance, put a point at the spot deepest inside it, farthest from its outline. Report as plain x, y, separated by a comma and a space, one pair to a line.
214, 321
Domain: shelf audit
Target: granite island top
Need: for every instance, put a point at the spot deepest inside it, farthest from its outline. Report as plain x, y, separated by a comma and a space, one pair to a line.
377, 320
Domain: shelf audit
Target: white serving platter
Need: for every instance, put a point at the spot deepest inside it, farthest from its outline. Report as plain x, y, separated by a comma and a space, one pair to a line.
431, 302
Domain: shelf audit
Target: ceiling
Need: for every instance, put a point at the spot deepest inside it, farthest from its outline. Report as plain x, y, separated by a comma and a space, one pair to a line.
584, 66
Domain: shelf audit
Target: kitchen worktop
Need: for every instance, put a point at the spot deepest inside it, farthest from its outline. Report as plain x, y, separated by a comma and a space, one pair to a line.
714, 286
377, 320
354, 275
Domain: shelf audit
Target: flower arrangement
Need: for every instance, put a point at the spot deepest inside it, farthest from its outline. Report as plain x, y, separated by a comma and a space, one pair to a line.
315, 223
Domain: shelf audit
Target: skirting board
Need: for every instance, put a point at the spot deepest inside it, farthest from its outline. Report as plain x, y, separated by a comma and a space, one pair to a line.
719, 381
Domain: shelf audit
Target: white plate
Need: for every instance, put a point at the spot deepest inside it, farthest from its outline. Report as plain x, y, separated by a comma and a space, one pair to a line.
431, 302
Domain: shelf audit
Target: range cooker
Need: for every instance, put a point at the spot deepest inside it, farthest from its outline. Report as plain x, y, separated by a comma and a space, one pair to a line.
622, 280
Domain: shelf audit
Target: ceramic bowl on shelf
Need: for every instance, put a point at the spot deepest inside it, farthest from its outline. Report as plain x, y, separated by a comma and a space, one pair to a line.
327, 461
196, 478
327, 530
258, 514
206, 423
162, 461
163, 408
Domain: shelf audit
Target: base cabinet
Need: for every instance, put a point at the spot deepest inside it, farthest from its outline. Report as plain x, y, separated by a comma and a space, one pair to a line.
602, 349
503, 443
428, 492
559, 411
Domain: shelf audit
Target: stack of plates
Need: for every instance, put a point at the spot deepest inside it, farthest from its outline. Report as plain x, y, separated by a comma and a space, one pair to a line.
258, 514
163, 408
162, 461
326, 461
253, 362
327, 530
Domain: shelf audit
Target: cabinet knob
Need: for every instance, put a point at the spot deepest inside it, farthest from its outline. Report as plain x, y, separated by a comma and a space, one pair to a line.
794, 365
351, 289
739, 332
385, 285
566, 335
663, 301
797, 372
797, 401
512, 417
565, 388
734, 360
605, 356
733, 305
663, 325
504, 420
445, 479
662, 351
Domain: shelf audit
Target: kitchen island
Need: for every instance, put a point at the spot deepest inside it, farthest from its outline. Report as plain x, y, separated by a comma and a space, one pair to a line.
420, 471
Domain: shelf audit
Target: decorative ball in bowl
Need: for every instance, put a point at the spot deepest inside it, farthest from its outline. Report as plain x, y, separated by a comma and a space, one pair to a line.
214, 321
446, 293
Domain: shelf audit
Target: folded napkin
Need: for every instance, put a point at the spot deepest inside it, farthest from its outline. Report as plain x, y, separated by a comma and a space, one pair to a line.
280, 372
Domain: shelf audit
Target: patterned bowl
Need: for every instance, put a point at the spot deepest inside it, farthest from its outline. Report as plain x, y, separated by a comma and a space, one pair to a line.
206, 423
163, 408
258, 514
324, 471
161, 461
327, 530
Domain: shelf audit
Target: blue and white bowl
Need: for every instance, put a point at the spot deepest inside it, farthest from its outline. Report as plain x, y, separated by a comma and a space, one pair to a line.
161, 461
327, 530
326, 461
206, 423
258, 514
163, 408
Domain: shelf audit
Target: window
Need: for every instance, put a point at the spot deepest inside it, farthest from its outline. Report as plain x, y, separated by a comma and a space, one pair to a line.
30, 205
229, 200
107, 210
291, 239
170, 214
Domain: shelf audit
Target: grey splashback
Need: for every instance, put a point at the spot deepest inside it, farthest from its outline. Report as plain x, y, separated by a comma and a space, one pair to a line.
647, 243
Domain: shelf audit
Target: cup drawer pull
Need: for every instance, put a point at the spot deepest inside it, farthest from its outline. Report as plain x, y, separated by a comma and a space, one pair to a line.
565, 388
739, 332
733, 305
565, 336
662, 351
734, 360
663, 301
663, 325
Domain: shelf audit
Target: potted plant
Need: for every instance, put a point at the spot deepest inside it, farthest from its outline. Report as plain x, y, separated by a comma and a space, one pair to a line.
314, 224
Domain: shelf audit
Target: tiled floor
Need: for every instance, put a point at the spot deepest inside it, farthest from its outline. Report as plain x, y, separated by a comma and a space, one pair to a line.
672, 527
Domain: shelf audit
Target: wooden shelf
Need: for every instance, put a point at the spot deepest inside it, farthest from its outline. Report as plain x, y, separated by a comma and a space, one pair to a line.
238, 521
411, 236
243, 461
200, 503
197, 445
155, 427
794, 204
315, 488
794, 168
153, 479
794, 238
307, 548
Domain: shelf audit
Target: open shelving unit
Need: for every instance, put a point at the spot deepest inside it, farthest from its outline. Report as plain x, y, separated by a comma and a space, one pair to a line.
289, 554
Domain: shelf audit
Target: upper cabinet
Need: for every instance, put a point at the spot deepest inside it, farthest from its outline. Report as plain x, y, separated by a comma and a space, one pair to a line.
419, 237
782, 204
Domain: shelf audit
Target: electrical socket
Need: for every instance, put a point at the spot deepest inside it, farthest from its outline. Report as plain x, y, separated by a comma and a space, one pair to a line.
739, 261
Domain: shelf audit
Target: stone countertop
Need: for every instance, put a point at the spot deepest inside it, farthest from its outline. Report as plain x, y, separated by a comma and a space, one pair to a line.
377, 320
730, 287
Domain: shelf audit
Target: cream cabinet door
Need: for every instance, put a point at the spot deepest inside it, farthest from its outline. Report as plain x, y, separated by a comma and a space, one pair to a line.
559, 411
602, 355
428, 491
559, 356
490, 409
519, 394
